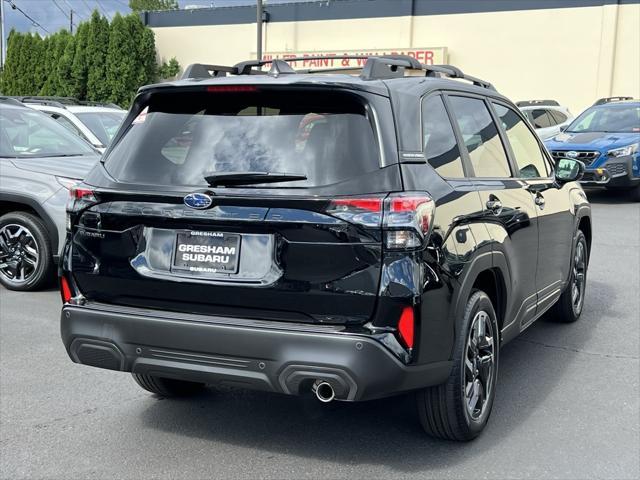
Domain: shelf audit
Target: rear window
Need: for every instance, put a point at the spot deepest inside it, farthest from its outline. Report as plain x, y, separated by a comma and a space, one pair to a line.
182, 137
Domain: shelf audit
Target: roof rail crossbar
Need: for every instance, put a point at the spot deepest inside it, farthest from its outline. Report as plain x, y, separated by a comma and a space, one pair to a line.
202, 70
602, 101
374, 67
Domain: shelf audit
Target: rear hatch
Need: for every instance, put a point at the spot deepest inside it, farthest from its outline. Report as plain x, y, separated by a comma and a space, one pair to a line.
262, 203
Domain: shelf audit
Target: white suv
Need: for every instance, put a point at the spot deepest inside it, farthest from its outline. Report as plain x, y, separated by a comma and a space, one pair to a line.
95, 123
546, 116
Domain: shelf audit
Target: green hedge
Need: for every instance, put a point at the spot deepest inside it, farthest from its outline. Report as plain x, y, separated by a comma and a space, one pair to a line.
104, 62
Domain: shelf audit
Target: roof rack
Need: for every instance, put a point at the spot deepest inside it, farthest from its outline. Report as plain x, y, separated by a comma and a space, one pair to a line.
605, 100
537, 103
374, 68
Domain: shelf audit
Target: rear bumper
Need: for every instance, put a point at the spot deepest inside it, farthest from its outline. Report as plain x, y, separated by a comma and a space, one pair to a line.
214, 351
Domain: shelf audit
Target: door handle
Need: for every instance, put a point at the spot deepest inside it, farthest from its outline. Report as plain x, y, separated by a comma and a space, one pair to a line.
495, 206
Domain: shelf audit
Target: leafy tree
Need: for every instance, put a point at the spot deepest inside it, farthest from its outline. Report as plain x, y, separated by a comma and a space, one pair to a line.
148, 5
169, 70
96, 53
80, 67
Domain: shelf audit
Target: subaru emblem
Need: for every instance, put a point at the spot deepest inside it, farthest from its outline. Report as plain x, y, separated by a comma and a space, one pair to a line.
198, 201
572, 154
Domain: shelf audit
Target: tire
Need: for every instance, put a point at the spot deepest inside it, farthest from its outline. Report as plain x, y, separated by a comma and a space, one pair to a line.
25, 251
444, 410
566, 309
634, 194
167, 387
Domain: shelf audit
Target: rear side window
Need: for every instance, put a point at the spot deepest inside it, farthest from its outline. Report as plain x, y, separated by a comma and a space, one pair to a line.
185, 136
559, 117
525, 147
541, 119
481, 138
440, 146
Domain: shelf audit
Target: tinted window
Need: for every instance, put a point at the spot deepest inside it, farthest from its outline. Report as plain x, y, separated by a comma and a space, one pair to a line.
440, 146
184, 137
559, 117
25, 133
541, 119
526, 149
481, 138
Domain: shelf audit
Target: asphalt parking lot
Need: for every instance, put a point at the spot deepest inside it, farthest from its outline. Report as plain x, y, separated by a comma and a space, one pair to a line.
568, 403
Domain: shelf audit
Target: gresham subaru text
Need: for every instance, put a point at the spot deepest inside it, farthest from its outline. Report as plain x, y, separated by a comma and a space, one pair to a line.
384, 233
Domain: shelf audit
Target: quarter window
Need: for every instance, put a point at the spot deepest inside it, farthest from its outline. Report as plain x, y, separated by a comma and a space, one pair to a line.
440, 146
526, 149
481, 138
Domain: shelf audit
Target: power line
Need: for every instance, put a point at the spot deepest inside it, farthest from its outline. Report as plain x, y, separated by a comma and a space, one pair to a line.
34, 22
74, 11
88, 7
61, 9
103, 9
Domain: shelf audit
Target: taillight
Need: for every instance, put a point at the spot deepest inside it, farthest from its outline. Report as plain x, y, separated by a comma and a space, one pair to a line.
80, 197
365, 211
231, 88
406, 327
65, 290
407, 220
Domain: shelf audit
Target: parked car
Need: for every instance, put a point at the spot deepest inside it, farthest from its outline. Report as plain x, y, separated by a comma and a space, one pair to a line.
95, 122
297, 233
548, 117
606, 138
39, 162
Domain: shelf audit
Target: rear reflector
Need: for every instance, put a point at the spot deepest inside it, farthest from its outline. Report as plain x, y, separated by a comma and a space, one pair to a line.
406, 326
65, 290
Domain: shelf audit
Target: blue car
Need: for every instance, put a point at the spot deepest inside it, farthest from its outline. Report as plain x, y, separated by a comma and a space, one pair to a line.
606, 138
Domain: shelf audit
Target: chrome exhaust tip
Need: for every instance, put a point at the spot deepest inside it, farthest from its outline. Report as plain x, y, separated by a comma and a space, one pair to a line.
323, 390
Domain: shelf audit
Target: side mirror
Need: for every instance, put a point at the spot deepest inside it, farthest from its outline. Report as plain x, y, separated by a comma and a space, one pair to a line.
569, 170
563, 127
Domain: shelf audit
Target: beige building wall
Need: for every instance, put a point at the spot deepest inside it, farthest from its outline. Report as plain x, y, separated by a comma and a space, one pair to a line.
573, 55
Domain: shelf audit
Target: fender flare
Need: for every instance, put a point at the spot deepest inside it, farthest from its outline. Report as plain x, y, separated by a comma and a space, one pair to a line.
44, 216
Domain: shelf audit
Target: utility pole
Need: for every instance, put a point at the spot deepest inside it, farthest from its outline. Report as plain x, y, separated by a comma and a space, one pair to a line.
2, 39
71, 21
259, 25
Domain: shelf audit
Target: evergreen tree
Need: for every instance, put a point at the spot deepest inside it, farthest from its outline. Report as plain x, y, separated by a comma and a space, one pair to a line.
169, 70
80, 68
55, 85
96, 52
149, 5
65, 64
39, 60
11, 65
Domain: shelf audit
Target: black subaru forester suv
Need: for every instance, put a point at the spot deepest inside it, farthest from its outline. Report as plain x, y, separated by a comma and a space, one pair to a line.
351, 236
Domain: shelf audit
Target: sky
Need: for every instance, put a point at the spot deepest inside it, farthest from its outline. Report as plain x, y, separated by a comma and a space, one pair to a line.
53, 15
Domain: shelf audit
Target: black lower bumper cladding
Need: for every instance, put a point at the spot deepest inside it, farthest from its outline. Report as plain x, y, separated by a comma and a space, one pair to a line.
216, 351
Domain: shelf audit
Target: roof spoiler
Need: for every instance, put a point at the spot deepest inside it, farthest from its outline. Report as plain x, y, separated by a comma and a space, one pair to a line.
373, 68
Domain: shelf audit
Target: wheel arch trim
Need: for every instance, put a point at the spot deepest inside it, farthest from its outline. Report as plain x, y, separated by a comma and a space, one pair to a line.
44, 216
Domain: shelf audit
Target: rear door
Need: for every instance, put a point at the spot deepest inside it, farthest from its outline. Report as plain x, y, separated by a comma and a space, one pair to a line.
305, 250
508, 208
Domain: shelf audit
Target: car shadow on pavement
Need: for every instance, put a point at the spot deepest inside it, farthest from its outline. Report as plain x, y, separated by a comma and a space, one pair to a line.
609, 197
380, 432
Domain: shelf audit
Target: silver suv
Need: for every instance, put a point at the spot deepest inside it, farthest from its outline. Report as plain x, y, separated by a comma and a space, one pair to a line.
39, 162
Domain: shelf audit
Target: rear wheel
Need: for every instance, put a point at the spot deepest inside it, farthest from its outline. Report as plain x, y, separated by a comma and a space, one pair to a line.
459, 409
569, 306
26, 261
167, 387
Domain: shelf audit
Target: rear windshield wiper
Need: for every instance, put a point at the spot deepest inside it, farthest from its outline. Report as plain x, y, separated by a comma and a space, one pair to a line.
250, 178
